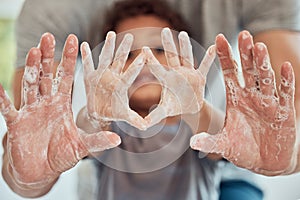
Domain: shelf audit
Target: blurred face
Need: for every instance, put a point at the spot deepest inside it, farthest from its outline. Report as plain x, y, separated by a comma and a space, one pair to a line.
145, 92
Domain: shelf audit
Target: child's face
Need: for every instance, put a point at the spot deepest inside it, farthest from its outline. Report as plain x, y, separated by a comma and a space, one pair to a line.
146, 90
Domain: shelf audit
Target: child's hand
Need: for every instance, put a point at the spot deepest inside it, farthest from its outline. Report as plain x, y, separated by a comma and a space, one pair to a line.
183, 85
42, 139
260, 127
107, 86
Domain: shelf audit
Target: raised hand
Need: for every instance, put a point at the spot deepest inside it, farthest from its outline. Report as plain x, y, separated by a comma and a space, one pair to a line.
107, 86
260, 126
42, 139
183, 85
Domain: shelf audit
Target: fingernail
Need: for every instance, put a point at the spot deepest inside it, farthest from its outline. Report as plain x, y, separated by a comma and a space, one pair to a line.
261, 46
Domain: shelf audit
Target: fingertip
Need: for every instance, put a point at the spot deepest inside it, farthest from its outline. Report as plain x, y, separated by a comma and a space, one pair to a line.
286, 69
220, 37
71, 46
166, 33
145, 48
287, 73
244, 34
48, 38
183, 34
222, 44
113, 138
72, 40
110, 34
166, 30
84, 48
147, 51
204, 142
260, 46
129, 37
194, 143
33, 57
47, 34
212, 50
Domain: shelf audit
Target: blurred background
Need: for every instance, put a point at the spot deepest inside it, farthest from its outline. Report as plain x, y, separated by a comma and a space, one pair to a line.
275, 188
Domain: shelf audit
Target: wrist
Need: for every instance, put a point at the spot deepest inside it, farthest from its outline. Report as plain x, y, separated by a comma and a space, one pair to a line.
37, 185
24, 190
211, 118
95, 120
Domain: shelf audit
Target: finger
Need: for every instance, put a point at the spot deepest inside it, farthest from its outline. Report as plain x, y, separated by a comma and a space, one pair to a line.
122, 54
97, 142
229, 68
186, 50
155, 67
209, 143
134, 69
47, 48
31, 76
156, 115
65, 70
107, 53
170, 48
87, 60
207, 61
6, 107
267, 85
246, 56
136, 120
287, 86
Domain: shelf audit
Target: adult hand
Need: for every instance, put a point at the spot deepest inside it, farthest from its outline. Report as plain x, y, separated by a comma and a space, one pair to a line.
42, 139
183, 85
107, 86
259, 132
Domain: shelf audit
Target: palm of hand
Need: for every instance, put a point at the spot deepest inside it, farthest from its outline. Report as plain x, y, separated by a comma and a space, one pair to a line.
256, 138
48, 137
186, 98
107, 92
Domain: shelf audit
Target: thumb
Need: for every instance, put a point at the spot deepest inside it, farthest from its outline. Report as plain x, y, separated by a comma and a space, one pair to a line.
99, 141
155, 116
209, 143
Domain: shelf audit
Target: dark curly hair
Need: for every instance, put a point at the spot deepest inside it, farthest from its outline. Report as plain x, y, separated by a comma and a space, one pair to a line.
130, 8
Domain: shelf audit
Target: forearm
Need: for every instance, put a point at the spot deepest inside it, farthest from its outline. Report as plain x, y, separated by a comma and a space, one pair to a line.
21, 189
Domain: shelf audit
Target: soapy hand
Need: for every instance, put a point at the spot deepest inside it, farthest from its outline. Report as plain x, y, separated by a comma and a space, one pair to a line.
183, 85
42, 139
260, 127
107, 86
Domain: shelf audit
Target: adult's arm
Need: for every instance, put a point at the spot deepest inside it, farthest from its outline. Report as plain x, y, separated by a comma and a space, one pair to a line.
61, 18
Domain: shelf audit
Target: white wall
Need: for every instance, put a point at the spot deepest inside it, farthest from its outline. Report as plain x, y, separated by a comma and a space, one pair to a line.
10, 8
